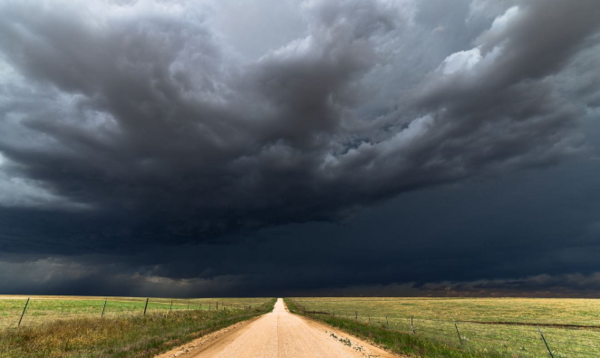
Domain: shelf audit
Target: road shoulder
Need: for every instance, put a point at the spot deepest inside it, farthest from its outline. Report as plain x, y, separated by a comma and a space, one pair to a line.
368, 349
198, 345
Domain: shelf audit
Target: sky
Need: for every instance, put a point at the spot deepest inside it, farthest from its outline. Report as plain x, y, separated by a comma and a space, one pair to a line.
210, 148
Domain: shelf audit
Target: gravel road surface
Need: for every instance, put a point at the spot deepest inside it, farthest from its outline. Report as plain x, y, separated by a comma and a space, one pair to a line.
278, 334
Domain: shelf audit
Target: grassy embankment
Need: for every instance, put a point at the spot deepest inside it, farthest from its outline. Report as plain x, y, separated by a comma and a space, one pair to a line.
128, 335
489, 327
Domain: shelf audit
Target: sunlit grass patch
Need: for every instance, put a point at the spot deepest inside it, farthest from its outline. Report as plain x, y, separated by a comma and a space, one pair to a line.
508, 327
41, 309
125, 336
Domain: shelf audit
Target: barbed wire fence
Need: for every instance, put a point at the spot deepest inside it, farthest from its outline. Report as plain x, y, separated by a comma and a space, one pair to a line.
525, 338
16, 313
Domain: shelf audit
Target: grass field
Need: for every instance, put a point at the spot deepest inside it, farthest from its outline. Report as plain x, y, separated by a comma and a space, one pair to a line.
69, 327
505, 327
41, 309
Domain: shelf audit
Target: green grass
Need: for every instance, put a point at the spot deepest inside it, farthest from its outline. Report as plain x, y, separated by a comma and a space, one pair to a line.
478, 323
42, 309
125, 336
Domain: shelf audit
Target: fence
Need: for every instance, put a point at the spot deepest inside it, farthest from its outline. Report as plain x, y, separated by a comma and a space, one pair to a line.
516, 339
18, 312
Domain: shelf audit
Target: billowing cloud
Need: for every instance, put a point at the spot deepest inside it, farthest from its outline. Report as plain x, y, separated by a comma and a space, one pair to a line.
160, 122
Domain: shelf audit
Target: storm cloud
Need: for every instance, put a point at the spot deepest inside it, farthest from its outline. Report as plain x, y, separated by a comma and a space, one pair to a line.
163, 125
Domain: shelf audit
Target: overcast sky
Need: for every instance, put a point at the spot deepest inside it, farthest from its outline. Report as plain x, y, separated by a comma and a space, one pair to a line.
283, 147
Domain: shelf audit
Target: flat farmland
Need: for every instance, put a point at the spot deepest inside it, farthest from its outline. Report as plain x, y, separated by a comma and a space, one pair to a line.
42, 309
507, 326
70, 327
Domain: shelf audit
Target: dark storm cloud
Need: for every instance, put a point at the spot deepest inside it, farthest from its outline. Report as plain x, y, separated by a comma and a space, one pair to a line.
157, 116
132, 125
565, 285
518, 228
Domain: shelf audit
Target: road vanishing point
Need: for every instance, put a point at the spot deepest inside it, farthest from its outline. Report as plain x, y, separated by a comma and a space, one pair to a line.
278, 334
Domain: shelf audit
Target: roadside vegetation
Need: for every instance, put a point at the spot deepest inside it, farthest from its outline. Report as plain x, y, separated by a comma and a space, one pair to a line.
139, 336
42, 309
527, 310
464, 328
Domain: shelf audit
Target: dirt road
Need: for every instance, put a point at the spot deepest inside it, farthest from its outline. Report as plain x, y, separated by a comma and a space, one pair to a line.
279, 334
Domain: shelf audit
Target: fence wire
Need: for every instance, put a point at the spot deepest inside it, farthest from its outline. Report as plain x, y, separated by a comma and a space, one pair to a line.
32, 311
520, 339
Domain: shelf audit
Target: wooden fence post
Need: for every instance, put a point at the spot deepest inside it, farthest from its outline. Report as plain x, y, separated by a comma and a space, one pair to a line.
546, 343
387, 322
412, 327
457, 332
171, 306
104, 307
22, 314
356, 315
146, 306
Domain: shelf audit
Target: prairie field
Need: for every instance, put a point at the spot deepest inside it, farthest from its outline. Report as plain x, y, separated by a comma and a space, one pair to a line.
70, 327
42, 309
511, 327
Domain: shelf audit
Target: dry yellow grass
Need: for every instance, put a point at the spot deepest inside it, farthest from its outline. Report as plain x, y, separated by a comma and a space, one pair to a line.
134, 336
